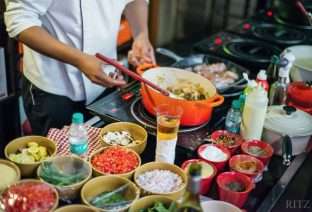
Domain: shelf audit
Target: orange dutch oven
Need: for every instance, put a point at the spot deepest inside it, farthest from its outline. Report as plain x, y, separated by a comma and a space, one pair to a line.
194, 112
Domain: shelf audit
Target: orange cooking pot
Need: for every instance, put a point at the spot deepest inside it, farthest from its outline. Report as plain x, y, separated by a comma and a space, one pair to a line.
194, 112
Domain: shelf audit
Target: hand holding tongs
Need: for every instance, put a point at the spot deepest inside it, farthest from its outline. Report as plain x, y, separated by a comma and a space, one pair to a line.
130, 73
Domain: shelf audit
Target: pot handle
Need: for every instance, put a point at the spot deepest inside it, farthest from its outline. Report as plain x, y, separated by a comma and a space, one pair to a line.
169, 53
143, 67
212, 102
286, 150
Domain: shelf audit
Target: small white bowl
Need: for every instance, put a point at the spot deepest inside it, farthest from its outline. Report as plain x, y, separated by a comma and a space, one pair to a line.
220, 206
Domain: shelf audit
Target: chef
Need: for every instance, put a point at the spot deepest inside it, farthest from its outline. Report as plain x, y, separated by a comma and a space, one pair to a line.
61, 73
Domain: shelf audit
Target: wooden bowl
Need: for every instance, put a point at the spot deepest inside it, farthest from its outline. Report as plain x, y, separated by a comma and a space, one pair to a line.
149, 201
162, 166
29, 169
72, 191
107, 183
75, 208
128, 175
15, 168
138, 133
55, 205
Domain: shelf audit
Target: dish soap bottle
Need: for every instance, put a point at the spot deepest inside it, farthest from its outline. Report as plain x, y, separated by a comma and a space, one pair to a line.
262, 80
278, 92
254, 114
78, 136
233, 117
190, 200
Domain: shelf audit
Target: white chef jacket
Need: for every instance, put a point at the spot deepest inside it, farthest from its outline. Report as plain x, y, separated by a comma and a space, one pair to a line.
89, 25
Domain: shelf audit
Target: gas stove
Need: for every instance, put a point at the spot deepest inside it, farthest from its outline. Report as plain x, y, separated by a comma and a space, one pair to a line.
125, 105
254, 54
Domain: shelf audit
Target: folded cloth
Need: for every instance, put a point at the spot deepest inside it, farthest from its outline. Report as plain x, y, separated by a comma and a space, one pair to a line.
60, 136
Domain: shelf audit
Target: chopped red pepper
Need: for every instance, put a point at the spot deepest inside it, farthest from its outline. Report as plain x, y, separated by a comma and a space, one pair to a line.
115, 160
28, 197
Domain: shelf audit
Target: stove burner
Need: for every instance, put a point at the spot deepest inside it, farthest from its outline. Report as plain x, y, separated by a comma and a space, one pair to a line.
278, 34
250, 50
143, 117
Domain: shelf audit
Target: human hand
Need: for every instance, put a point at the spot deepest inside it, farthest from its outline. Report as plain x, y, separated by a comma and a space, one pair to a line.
142, 51
92, 68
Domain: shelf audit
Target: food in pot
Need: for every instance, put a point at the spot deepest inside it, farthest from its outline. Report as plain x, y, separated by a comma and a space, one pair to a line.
121, 138
215, 154
257, 151
160, 181
8, 176
50, 173
115, 160
160, 207
188, 90
112, 200
235, 186
31, 154
225, 140
27, 197
217, 73
247, 166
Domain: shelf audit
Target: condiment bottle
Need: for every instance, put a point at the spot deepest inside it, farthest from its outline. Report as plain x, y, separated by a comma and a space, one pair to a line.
242, 99
262, 80
78, 136
250, 86
254, 114
278, 92
233, 117
191, 198
272, 69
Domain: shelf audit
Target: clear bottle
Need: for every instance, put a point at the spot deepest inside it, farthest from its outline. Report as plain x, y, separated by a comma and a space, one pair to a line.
78, 136
254, 114
191, 198
233, 117
278, 91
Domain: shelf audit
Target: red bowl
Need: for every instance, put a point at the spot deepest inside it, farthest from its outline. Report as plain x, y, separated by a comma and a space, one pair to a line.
205, 182
234, 197
237, 138
242, 158
219, 164
265, 146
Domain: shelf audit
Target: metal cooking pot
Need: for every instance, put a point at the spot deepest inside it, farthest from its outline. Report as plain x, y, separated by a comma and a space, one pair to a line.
285, 120
194, 112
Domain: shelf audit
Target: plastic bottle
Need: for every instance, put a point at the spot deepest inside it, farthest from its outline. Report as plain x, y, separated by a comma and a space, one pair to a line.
262, 80
78, 136
242, 99
250, 86
233, 118
254, 114
278, 92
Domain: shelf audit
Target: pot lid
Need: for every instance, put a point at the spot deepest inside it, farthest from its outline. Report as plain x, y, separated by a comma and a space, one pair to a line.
287, 120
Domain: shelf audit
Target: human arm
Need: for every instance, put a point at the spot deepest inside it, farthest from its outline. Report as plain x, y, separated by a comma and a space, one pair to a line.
142, 51
23, 22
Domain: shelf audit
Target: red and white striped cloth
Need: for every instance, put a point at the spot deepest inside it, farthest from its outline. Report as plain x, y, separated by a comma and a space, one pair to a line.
60, 136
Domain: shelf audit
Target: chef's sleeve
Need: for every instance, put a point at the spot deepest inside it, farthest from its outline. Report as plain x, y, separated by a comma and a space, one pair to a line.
23, 14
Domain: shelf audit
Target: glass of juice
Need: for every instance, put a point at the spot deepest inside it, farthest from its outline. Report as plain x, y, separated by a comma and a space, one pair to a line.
168, 122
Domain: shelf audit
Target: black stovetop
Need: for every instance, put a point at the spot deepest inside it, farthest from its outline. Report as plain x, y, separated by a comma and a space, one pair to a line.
117, 107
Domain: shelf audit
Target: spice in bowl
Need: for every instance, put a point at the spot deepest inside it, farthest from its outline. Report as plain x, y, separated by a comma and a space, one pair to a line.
121, 138
214, 153
227, 139
235, 186
115, 160
160, 181
259, 149
247, 165
28, 196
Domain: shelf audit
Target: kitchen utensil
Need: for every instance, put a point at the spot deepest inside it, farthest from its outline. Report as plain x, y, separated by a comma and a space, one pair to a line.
201, 152
300, 93
197, 59
29, 169
302, 68
206, 181
281, 120
195, 112
130, 73
234, 197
